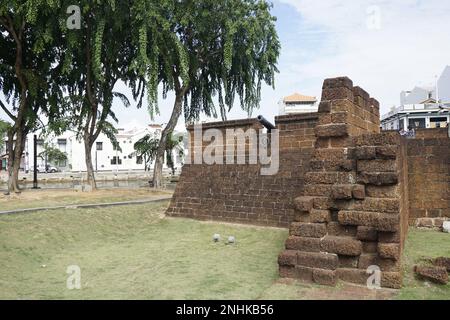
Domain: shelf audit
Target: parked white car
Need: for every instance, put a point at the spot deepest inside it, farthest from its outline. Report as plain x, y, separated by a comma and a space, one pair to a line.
49, 169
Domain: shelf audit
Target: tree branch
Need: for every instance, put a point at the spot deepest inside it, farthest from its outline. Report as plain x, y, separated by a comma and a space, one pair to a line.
5, 109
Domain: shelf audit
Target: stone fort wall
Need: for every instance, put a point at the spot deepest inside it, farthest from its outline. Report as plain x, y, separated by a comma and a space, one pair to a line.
343, 188
429, 177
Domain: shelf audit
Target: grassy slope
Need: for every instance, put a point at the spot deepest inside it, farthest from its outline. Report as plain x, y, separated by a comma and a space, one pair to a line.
131, 253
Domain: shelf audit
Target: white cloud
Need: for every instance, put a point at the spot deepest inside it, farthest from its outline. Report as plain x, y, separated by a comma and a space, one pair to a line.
410, 47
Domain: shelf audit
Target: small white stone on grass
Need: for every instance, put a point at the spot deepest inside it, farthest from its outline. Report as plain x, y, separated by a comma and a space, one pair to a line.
231, 240
446, 226
216, 237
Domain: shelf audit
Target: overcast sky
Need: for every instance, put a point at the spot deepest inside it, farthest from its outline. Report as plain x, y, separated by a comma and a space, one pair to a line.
383, 46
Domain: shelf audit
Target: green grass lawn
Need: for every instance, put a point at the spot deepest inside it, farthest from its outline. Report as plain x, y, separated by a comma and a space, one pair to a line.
134, 252
422, 245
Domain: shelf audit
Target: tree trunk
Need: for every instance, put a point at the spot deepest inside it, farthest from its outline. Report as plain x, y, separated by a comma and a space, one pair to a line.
15, 151
159, 160
88, 160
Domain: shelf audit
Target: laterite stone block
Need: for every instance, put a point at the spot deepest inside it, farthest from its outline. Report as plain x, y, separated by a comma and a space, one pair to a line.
342, 192
304, 204
341, 245
389, 250
311, 230
325, 277
332, 130
287, 258
303, 244
317, 260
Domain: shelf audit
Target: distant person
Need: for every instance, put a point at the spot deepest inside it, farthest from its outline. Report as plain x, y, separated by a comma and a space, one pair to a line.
411, 133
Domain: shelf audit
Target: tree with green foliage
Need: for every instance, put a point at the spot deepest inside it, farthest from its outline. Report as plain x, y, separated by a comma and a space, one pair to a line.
174, 144
28, 57
202, 50
4, 128
51, 154
98, 55
146, 148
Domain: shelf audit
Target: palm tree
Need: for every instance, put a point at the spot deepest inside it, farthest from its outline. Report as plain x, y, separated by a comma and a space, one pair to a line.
147, 147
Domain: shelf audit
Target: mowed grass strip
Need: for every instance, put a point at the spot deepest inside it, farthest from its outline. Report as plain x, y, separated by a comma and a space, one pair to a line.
66, 197
133, 252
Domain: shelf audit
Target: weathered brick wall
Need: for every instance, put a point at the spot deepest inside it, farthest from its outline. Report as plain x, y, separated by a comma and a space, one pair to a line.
353, 211
341, 188
429, 177
239, 193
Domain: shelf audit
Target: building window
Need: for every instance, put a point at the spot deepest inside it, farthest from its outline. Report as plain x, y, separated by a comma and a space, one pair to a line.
62, 143
139, 160
116, 161
417, 123
438, 122
99, 146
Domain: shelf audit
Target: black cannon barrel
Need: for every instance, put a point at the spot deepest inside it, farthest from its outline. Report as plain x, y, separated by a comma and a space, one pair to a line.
265, 123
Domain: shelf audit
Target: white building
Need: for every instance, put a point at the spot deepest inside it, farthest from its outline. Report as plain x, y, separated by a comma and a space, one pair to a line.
104, 156
419, 107
297, 103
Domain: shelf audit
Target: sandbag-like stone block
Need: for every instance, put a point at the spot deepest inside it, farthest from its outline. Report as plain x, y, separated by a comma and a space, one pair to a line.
392, 191
323, 203
377, 165
386, 152
365, 153
311, 230
317, 260
378, 178
304, 204
324, 107
389, 250
322, 190
359, 192
303, 244
342, 192
336, 94
332, 130
334, 228
287, 258
304, 273
393, 280
351, 275
325, 277
388, 265
442, 262
370, 246
366, 234
341, 245
348, 262
389, 237
387, 205
378, 139
287, 271
320, 216
435, 274
339, 82
376, 220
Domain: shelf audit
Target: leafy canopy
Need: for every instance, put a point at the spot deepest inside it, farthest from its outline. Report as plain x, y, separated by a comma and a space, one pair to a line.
204, 49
